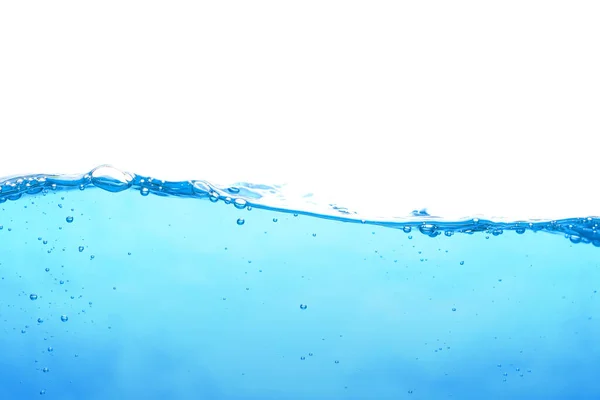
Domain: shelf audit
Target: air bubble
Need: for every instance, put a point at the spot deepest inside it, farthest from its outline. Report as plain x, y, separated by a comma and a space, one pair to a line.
50, 349
81, 248
240, 204
303, 306
462, 263
39, 320
64, 318
427, 229
144, 191
453, 308
275, 219
520, 231
111, 179
240, 221
69, 219
407, 229
575, 239
45, 369
33, 296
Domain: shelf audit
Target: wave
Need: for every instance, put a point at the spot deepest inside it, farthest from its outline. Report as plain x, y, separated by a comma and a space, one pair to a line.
247, 195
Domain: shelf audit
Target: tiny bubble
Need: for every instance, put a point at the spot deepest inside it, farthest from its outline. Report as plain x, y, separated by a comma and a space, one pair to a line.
81, 248
275, 219
69, 219
33, 296
453, 309
45, 369
144, 191
462, 263
39, 320
240, 221
303, 306
64, 318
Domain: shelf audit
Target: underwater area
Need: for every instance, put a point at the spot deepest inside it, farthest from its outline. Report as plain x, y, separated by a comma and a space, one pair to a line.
117, 286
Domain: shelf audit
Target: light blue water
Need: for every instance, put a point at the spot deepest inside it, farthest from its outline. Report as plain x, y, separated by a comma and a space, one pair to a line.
127, 293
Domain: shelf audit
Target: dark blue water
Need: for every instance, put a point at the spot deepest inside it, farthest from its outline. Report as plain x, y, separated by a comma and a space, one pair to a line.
138, 288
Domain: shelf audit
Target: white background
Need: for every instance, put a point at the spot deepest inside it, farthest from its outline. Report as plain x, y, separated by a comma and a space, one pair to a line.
462, 107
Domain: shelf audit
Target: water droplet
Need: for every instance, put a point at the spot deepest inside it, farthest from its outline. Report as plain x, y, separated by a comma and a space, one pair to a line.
303, 306
144, 191
81, 248
64, 318
45, 369
69, 219
453, 308
33, 296
240, 221
50, 349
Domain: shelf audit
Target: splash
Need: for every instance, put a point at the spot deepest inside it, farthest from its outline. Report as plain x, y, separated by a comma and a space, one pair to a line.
248, 195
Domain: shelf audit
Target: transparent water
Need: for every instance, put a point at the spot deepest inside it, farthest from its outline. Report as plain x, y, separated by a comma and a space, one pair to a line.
138, 288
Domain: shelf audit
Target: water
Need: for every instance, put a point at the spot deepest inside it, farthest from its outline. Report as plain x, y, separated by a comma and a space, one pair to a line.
156, 290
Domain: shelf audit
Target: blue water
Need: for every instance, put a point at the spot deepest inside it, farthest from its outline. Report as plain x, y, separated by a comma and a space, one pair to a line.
116, 286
